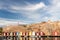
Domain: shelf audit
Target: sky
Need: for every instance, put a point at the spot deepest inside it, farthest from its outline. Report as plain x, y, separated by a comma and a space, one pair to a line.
28, 11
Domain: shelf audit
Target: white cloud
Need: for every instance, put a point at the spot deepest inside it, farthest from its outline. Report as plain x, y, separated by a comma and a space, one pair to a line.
29, 11
53, 10
31, 7
32, 11
52, 18
10, 22
1, 6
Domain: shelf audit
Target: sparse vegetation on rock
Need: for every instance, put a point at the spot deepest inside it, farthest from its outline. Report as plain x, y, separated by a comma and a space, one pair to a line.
46, 27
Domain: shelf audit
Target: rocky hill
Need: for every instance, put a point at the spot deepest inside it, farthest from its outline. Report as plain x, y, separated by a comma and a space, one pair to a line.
46, 27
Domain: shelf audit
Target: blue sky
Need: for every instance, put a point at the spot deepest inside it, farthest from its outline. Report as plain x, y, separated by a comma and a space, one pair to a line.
28, 11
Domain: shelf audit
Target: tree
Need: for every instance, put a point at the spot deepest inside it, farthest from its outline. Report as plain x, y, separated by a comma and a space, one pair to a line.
1, 30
